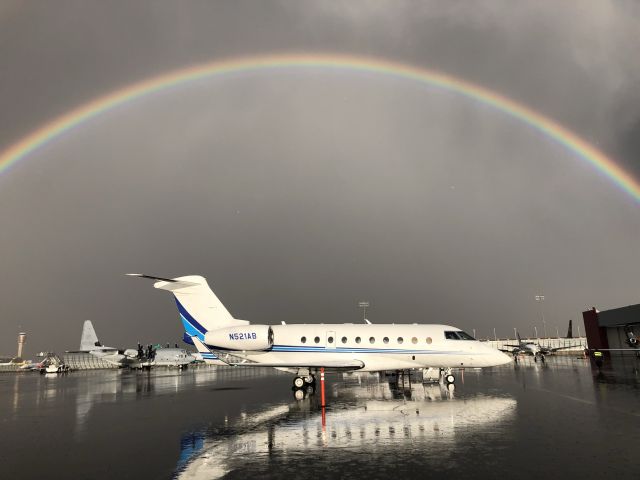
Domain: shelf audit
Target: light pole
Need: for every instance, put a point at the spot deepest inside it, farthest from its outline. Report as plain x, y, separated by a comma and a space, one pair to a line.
474, 333
363, 306
536, 330
515, 333
557, 333
494, 334
540, 298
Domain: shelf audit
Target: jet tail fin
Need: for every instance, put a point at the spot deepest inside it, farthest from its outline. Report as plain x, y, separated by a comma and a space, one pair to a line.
89, 339
570, 331
519, 339
199, 308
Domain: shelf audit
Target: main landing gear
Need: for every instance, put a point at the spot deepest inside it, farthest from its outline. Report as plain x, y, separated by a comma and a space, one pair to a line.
448, 376
303, 385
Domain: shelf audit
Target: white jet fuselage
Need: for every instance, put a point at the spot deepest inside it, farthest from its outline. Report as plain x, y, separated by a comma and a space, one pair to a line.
377, 346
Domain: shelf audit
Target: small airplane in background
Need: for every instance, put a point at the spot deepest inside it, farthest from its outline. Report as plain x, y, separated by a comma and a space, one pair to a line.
529, 348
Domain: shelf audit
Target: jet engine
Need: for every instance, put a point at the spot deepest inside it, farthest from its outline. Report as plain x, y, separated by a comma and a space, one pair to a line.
245, 337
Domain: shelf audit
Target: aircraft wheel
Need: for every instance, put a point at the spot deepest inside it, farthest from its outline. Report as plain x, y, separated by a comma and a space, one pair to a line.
310, 390
450, 378
535, 358
309, 379
298, 395
298, 382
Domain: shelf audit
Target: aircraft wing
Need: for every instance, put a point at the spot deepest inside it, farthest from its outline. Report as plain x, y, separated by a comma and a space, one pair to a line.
509, 345
614, 349
329, 365
555, 349
235, 360
505, 350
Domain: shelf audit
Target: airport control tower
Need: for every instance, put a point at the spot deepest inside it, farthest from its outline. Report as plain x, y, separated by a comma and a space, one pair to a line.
22, 337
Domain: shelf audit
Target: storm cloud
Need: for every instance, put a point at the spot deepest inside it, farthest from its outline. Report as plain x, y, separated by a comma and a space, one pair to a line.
299, 192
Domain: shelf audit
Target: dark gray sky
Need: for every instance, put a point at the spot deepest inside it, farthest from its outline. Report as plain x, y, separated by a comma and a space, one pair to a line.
299, 193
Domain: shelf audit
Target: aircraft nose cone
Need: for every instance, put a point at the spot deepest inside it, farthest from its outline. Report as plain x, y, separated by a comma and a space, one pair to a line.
502, 358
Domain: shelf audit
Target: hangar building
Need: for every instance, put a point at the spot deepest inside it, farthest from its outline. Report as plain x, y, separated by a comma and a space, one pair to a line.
612, 328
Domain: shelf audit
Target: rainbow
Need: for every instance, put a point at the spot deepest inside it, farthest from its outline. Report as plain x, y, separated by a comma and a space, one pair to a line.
543, 124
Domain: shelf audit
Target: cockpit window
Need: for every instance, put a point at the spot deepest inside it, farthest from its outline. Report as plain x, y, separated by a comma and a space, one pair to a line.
457, 335
464, 335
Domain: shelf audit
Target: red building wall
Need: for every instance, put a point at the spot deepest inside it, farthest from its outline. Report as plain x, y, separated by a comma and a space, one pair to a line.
596, 335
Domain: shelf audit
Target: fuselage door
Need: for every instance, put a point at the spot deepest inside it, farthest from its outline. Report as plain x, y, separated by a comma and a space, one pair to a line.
331, 340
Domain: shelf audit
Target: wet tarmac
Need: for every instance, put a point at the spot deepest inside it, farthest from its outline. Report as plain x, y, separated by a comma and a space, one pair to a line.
560, 419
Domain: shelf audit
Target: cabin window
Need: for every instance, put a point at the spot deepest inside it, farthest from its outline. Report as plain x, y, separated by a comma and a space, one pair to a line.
330, 339
372, 340
317, 339
414, 340
303, 339
429, 340
400, 340
344, 339
357, 339
385, 340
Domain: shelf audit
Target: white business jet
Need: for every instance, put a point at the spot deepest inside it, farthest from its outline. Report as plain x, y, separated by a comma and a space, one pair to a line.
304, 348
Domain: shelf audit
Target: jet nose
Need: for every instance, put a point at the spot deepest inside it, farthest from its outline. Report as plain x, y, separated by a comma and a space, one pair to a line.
502, 358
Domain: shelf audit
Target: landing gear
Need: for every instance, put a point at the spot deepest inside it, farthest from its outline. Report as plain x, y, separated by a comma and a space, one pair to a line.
304, 384
448, 376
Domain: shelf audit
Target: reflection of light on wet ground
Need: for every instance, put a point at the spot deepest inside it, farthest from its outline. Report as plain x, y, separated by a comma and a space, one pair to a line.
366, 417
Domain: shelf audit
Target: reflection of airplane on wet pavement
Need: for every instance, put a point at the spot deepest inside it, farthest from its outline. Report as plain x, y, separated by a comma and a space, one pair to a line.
369, 417
134, 358
305, 349
530, 348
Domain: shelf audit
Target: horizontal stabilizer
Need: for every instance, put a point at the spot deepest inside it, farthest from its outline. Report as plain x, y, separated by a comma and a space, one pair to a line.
165, 283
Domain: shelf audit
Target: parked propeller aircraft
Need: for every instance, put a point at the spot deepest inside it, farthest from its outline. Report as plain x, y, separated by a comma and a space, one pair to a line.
303, 349
530, 348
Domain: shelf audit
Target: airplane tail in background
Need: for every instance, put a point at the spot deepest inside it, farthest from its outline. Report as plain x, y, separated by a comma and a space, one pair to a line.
518, 335
89, 339
200, 310
570, 331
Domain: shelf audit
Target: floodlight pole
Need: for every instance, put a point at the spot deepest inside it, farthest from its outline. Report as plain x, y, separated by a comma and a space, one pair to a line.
540, 298
364, 305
